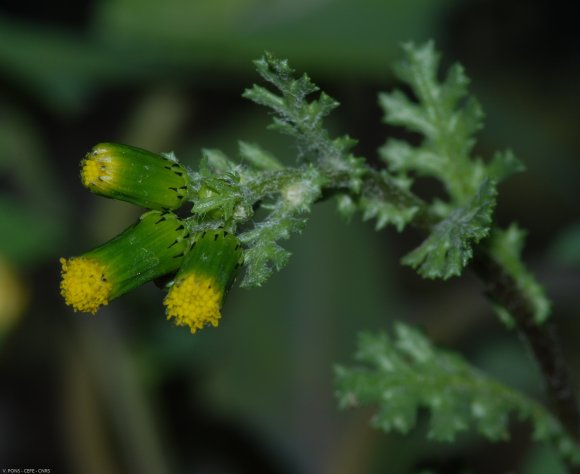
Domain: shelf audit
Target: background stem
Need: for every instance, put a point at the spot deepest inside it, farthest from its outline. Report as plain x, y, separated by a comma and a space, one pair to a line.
542, 339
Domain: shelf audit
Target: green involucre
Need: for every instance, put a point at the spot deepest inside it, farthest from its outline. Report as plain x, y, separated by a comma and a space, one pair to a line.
216, 254
153, 247
134, 175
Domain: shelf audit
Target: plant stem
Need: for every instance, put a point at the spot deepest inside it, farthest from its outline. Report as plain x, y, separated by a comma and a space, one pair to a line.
542, 339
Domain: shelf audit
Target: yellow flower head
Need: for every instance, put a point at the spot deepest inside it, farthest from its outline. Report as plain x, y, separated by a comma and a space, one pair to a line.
195, 301
153, 247
84, 284
207, 271
134, 175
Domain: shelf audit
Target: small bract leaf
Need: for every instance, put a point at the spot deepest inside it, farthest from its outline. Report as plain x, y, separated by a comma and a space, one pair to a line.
258, 157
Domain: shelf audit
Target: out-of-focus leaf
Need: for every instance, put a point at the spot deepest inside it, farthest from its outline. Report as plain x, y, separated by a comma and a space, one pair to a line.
447, 117
506, 246
238, 30
26, 235
405, 374
503, 165
60, 69
566, 247
258, 157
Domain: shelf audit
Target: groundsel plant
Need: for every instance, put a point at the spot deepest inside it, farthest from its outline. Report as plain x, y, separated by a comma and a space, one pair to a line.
203, 252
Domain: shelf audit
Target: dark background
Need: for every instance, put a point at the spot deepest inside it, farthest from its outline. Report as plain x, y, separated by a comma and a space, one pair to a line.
127, 392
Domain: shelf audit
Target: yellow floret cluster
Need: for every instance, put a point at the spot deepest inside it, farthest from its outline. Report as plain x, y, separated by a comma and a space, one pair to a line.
84, 285
195, 301
90, 172
98, 171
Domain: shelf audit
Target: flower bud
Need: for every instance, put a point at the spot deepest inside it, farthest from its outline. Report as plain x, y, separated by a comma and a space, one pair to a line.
134, 175
153, 247
208, 270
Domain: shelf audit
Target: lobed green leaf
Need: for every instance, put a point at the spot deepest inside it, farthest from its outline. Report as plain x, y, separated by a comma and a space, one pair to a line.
444, 114
386, 212
449, 246
503, 165
302, 118
407, 373
506, 246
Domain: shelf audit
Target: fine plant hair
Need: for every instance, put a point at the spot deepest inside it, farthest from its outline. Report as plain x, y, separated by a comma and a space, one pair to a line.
399, 372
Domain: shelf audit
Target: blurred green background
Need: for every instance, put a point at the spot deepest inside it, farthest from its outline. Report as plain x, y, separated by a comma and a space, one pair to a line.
127, 392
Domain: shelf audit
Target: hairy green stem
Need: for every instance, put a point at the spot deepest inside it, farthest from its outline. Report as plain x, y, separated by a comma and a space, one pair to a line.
375, 182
